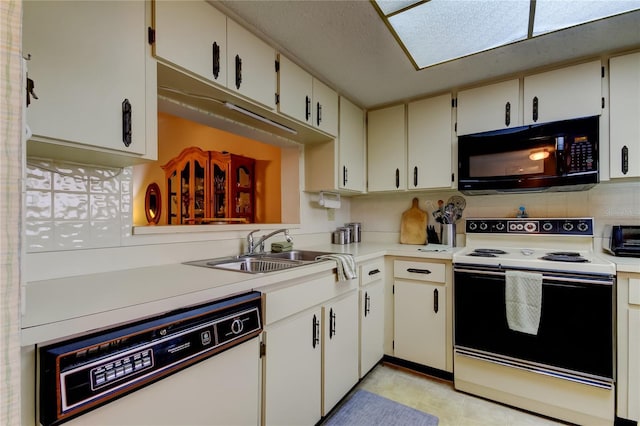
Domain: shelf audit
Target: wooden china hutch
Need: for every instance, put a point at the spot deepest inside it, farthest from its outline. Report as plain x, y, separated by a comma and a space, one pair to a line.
210, 187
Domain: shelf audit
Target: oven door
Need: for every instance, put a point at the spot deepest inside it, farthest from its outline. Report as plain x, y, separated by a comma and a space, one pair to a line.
575, 336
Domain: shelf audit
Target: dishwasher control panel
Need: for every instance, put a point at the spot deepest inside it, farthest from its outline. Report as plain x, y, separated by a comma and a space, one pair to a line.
80, 374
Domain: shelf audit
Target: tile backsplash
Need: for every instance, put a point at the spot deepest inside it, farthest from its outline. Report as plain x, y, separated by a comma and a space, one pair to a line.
70, 206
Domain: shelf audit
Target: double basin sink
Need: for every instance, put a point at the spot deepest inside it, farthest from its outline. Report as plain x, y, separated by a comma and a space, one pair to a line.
262, 262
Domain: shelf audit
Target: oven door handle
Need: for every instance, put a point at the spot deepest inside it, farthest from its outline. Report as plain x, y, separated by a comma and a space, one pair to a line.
544, 277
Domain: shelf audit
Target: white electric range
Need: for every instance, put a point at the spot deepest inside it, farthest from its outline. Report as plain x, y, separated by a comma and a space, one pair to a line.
562, 364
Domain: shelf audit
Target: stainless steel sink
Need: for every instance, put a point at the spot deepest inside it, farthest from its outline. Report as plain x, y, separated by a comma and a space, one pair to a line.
262, 262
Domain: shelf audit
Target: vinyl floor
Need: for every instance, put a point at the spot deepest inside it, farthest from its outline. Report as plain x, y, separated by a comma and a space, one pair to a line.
438, 397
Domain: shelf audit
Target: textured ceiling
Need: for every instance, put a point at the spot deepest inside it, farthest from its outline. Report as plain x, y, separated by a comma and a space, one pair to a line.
346, 44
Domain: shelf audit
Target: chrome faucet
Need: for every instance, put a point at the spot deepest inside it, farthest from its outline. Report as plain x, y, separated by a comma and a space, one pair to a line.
251, 245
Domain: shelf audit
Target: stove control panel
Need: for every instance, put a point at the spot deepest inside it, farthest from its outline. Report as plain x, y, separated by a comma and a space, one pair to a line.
532, 226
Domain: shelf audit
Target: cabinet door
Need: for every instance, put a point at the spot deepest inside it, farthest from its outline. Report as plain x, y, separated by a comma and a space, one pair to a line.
624, 95
429, 146
296, 91
562, 94
251, 68
193, 36
386, 146
371, 326
325, 108
351, 147
292, 370
88, 63
340, 342
419, 323
491, 107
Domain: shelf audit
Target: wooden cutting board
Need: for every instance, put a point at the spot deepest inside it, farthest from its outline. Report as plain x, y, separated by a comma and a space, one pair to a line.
413, 227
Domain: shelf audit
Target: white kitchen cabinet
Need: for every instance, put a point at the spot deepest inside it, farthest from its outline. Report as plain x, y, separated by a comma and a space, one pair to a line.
371, 315
420, 313
292, 376
95, 81
339, 165
306, 371
429, 144
325, 108
192, 35
251, 70
492, 107
306, 99
562, 94
624, 109
628, 350
340, 348
386, 149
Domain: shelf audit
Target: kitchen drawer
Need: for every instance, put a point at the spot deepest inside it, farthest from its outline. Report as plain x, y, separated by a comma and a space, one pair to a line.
371, 271
287, 299
422, 271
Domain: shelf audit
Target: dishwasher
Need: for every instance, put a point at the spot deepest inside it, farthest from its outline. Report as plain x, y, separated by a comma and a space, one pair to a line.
192, 366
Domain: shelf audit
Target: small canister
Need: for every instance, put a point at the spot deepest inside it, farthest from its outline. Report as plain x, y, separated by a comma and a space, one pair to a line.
355, 231
339, 237
347, 233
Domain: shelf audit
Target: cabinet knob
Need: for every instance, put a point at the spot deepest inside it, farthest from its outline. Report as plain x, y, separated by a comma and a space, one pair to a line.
307, 108
397, 178
332, 323
367, 304
319, 114
415, 176
315, 338
435, 300
535, 109
507, 114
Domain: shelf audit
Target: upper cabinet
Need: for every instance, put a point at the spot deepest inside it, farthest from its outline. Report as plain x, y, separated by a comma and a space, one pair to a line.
386, 148
192, 35
624, 95
94, 79
306, 99
429, 146
339, 165
251, 70
562, 94
351, 173
492, 107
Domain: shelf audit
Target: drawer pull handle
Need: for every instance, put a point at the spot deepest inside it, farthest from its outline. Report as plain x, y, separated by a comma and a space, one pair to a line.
418, 271
238, 72
126, 122
374, 271
215, 50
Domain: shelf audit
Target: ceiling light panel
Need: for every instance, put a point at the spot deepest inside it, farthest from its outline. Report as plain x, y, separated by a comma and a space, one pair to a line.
389, 7
442, 30
553, 15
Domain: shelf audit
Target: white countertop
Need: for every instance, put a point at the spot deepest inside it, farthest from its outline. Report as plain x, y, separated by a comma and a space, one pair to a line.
623, 264
64, 307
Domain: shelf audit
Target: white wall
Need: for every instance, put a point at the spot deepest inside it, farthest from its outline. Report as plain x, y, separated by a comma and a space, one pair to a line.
608, 203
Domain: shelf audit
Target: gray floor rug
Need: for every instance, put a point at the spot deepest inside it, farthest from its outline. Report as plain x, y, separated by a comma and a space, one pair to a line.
366, 408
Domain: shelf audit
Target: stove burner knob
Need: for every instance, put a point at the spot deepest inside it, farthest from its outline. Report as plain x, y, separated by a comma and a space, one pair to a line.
547, 226
567, 226
583, 227
530, 227
500, 226
237, 326
483, 226
473, 226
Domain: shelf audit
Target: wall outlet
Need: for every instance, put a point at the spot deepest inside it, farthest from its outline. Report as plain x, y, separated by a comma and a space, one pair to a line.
331, 214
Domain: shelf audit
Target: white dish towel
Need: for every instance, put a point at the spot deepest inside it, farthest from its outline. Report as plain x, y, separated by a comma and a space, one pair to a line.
523, 297
345, 265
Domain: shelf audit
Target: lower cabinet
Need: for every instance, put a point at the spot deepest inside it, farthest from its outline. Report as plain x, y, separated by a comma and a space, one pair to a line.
292, 371
311, 349
420, 313
628, 380
371, 315
340, 348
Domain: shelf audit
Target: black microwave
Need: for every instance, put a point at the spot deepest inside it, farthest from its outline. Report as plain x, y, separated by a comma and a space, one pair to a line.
558, 156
